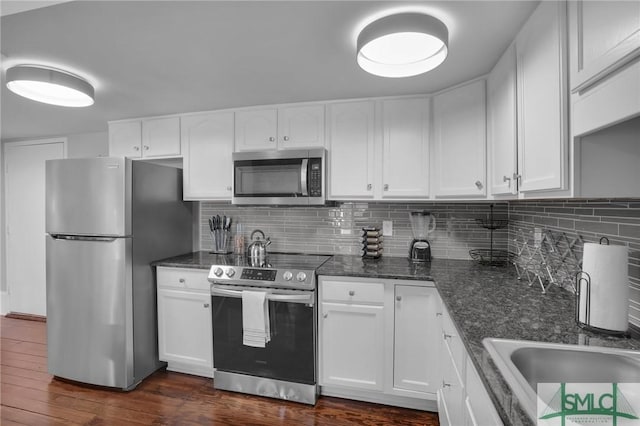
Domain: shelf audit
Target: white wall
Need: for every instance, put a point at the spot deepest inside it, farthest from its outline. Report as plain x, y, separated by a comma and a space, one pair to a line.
610, 161
79, 145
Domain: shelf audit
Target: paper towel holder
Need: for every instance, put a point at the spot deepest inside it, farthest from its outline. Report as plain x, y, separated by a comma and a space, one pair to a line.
583, 277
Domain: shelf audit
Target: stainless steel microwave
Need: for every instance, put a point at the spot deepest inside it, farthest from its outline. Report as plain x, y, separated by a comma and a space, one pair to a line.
291, 177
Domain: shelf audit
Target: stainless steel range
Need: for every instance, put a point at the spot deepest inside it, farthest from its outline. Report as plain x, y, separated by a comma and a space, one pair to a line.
276, 357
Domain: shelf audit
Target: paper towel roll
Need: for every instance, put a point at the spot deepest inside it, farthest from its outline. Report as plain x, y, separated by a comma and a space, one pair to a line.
607, 265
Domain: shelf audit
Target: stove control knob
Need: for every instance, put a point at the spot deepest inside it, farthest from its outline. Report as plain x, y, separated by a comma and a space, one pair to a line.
217, 272
288, 275
301, 276
231, 272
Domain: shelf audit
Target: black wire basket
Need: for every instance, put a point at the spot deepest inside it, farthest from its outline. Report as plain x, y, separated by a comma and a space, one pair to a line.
492, 257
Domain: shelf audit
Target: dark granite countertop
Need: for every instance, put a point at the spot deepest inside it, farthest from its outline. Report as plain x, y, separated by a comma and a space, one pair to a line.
483, 301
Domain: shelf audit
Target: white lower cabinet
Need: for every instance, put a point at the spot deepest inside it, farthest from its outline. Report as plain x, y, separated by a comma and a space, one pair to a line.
379, 341
353, 347
185, 336
462, 398
415, 331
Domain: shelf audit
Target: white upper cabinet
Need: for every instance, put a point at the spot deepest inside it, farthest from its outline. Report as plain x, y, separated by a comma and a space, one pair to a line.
301, 127
280, 128
605, 63
405, 148
148, 138
604, 36
207, 144
502, 133
459, 142
542, 99
256, 130
350, 143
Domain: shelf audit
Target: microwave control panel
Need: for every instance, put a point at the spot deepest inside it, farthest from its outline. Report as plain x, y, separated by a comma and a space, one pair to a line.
315, 177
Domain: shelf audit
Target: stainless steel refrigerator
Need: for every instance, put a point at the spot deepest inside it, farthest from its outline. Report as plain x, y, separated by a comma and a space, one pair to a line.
106, 220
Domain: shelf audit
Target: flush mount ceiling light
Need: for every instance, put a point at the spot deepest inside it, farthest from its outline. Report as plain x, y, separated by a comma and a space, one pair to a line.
50, 86
402, 45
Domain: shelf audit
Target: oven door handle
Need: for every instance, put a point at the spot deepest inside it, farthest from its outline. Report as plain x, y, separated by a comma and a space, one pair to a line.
292, 298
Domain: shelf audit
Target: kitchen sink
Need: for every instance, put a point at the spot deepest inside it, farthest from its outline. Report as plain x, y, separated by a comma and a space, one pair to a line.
524, 364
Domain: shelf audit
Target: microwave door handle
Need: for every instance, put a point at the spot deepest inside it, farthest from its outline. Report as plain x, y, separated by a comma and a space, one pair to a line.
303, 177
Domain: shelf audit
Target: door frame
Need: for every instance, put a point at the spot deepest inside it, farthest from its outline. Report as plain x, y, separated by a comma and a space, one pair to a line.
4, 264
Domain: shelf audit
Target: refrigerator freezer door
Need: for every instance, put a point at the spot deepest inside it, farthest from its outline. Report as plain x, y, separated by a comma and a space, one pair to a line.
89, 310
88, 196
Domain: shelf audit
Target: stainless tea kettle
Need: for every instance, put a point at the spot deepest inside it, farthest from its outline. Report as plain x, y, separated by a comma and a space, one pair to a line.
257, 250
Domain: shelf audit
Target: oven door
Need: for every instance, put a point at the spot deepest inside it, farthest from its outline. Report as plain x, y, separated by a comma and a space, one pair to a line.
290, 354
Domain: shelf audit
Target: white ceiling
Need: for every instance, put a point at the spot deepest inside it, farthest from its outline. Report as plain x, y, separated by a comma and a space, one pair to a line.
149, 58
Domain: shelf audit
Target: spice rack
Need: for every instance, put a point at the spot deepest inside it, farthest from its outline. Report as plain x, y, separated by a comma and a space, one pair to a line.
372, 242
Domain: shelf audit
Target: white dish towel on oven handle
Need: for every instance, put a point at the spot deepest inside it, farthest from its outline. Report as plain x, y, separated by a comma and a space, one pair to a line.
255, 319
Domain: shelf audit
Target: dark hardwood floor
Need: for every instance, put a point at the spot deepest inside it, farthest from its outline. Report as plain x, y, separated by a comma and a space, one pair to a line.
31, 396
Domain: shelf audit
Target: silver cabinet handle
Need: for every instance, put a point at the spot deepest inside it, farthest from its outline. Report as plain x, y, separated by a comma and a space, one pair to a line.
181, 280
399, 298
286, 138
386, 186
506, 179
478, 184
438, 314
352, 293
271, 139
325, 315
369, 186
517, 178
446, 336
146, 147
445, 384
206, 305
136, 148
228, 188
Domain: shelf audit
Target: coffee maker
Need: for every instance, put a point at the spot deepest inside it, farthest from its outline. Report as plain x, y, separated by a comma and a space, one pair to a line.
422, 224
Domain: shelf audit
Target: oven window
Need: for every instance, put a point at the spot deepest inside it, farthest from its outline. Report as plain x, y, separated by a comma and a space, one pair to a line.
265, 178
289, 356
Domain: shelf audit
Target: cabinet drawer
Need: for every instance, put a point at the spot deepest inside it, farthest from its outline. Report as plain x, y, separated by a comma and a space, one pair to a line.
353, 292
195, 279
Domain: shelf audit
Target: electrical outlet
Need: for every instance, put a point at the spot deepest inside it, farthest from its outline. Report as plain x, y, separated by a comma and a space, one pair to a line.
387, 228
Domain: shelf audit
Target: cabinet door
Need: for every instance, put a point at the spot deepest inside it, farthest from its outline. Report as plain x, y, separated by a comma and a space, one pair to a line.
184, 328
405, 145
125, 139
541, 76
459, 142
256, 130
351, 150
502, 137
417, 339
161, 137
207, 144
301, 127
605, 35
352, 346
478, 402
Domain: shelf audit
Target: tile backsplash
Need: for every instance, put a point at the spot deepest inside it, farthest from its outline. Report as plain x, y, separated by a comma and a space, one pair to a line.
336, 229
618, 220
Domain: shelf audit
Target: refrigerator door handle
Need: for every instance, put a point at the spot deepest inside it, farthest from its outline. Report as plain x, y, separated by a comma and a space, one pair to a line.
82, 238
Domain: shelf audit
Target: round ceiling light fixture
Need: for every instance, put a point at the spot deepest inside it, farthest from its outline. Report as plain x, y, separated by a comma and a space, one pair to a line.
50, 85
402, 45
